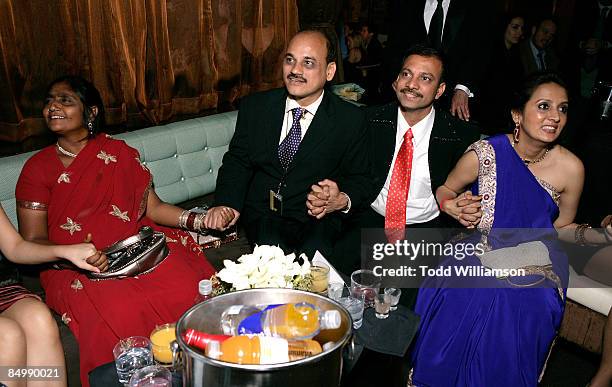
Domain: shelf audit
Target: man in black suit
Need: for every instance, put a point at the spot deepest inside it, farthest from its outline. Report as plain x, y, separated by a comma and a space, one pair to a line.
286, 140
537, 53
458, 28
439, 140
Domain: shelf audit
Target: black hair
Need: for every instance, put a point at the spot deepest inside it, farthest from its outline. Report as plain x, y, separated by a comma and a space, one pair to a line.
537, 22
428, 52
89, 96
530, 84
330, 43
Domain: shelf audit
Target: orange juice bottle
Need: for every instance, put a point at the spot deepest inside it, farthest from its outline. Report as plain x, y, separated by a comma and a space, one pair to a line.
261, 350
298, 321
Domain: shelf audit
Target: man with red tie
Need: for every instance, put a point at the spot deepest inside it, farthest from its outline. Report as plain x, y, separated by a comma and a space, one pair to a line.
413, 147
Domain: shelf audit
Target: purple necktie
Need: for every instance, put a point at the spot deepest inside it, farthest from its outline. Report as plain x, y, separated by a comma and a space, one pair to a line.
289, 146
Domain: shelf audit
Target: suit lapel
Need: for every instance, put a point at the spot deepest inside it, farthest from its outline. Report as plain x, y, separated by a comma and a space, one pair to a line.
454, 19
319, 129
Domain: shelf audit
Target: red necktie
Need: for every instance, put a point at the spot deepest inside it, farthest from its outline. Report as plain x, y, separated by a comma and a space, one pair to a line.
395, 215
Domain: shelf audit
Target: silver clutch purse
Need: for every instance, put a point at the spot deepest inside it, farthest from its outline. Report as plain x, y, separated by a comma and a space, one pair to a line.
138, 254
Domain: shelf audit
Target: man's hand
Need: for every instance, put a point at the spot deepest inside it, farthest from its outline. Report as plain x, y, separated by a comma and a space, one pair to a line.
460, 105
465, 208
220, 218
324, 198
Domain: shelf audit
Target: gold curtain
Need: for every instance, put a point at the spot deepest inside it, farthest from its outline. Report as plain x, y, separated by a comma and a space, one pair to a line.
152, 60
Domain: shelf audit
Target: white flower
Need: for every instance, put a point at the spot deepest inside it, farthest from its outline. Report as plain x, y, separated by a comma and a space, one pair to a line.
267, 266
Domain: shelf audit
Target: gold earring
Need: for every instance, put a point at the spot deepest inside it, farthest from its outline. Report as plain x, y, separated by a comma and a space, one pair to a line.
517, 130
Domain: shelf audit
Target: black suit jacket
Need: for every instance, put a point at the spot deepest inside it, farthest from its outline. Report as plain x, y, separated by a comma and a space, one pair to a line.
334, 147
465, 39
528, 61
449, 139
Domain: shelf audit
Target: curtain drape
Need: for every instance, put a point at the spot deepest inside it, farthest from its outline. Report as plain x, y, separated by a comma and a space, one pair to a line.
152, 60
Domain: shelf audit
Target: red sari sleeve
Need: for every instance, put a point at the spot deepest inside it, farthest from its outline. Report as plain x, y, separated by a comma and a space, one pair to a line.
34, 183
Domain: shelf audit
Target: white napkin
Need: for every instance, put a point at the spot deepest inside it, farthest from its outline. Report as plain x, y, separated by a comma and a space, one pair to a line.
333, 274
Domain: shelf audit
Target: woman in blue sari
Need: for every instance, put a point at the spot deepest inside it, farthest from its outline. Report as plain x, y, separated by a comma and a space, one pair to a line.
499, 332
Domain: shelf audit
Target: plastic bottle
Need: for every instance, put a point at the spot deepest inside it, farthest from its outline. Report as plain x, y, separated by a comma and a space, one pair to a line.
232, 316
204, 291
200, 339
290, 321
261, 350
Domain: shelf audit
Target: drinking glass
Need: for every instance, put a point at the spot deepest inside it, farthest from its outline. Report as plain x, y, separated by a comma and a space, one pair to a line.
334, 290
161, 337
132, 354
354, 305
364, 282
381, 306
320, 278
151, 376
393, 294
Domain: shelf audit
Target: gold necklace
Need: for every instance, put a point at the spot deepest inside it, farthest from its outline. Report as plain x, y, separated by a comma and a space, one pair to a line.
527, 161
65, 152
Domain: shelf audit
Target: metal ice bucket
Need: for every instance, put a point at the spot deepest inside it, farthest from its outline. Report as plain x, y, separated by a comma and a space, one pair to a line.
324, 369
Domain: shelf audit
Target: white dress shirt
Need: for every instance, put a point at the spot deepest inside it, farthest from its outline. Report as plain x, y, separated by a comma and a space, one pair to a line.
421, 205
306, 119
430, 8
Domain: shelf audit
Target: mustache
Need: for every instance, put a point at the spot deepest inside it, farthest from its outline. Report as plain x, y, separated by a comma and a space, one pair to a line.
412, 91
295, 77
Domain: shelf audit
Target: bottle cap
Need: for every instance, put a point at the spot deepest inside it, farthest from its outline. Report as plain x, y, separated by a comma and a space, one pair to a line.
331, 319
213, 350
329, 345
205, 287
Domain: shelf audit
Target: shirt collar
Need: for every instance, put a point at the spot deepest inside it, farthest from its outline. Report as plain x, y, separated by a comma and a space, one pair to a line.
291, 104
419, 129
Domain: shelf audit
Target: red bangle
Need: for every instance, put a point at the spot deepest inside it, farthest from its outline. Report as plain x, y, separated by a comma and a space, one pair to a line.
190, 220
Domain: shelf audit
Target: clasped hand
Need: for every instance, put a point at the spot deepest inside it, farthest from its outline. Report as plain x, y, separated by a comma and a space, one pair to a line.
220, 218
325, 197
465, 208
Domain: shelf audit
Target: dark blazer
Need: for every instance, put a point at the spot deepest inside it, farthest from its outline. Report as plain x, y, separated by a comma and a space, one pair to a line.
528, 61
465, 40
334, 147
449, 139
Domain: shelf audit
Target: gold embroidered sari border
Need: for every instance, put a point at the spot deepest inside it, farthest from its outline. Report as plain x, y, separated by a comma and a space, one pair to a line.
32, 205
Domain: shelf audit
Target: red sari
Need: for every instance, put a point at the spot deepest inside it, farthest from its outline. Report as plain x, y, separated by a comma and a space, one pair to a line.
104, 193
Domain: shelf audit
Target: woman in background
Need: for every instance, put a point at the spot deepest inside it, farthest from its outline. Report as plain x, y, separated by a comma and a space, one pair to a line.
503, 74
28, 333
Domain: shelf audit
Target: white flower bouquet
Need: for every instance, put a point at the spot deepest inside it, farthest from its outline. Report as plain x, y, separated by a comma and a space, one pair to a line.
266, 267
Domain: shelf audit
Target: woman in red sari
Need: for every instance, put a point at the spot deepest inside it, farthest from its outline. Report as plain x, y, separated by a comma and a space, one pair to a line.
91, 187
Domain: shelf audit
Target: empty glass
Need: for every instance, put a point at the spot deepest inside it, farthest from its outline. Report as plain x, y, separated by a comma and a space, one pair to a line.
393, 295
364, 282
132, 354
151, 376
381, 306
334, 290
355, 309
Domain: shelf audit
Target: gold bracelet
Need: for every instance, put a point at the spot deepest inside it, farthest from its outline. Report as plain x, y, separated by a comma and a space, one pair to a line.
579, 234
182, 220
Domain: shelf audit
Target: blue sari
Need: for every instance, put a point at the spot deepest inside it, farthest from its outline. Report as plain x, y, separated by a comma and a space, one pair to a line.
494, 333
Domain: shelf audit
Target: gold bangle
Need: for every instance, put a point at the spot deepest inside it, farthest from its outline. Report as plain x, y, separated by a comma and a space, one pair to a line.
579, 234
182, 220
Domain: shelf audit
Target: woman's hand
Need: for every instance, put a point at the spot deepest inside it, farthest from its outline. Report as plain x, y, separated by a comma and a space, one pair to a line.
465, 208
85, 256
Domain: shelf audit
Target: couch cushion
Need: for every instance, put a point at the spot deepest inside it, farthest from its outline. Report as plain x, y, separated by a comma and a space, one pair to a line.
590, 293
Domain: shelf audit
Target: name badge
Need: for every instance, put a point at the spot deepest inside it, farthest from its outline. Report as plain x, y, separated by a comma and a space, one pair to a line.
276, 202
